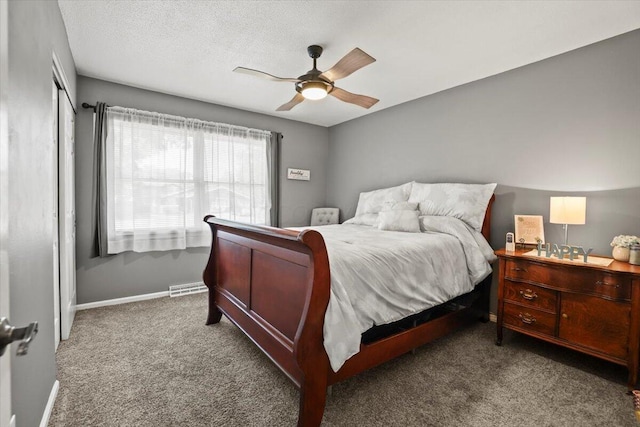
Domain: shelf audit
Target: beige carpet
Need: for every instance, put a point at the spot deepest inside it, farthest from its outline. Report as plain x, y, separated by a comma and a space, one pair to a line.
155, 363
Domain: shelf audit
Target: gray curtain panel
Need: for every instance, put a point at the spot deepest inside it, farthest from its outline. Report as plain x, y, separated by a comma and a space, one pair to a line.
273, 159
99, 197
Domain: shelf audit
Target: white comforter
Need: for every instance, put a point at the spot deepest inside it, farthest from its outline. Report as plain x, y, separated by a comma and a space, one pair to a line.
379, 277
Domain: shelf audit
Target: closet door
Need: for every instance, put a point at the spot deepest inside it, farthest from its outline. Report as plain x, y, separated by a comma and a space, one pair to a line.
66, 159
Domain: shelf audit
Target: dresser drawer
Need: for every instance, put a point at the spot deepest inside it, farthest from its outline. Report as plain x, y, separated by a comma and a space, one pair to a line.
530, 295
529, 319
577, 279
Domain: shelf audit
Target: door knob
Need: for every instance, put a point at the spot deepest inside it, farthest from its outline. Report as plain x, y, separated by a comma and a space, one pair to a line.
9, 334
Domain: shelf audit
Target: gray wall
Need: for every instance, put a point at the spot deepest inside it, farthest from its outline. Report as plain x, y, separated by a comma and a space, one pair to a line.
304, 146
35, 30
568, 125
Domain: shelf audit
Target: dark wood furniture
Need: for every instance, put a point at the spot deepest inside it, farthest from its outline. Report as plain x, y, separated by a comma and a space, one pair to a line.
592, 309
274, 284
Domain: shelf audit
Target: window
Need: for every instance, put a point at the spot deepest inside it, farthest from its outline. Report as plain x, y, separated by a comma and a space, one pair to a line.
165, 173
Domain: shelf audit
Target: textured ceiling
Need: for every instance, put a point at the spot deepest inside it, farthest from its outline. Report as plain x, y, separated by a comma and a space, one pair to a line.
189, 48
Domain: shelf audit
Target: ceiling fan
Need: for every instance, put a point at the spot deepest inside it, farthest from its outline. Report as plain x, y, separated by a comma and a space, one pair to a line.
316, 84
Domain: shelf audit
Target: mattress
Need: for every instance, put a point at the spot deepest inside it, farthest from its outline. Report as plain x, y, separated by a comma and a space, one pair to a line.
378, 277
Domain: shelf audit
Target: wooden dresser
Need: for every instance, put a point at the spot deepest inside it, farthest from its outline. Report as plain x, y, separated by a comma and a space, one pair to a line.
592, 309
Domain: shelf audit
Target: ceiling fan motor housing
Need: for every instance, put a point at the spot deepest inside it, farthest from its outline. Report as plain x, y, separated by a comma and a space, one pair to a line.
314, 51
313, 78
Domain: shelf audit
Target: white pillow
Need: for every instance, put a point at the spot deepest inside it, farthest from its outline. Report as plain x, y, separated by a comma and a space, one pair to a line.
399, 206
399, 220
365, 219
467, 202
372, 201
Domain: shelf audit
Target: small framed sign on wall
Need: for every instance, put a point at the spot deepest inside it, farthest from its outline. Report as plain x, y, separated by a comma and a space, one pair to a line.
299, 174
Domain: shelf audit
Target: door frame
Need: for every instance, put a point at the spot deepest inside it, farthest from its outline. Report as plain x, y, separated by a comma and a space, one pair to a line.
6, 415
55, 100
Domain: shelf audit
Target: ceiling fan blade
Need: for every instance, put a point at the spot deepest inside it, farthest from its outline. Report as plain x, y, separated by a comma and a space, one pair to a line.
349, 63
297, 99
264, 75
361, 100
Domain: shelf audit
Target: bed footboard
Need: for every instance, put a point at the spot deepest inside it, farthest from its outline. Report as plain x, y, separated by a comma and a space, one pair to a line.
274, 284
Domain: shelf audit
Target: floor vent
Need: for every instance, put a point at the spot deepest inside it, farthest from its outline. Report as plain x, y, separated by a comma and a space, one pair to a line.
186, 289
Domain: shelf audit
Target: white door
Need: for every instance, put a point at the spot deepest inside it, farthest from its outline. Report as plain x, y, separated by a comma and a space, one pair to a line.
54, 208
67, 214
5, 361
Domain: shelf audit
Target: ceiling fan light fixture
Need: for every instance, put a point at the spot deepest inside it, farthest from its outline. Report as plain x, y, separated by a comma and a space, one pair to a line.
314, 93
313, 90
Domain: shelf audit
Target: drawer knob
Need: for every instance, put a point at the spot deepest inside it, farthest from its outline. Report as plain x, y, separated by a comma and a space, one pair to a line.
524, 270
565, 316
528, 294
527, 318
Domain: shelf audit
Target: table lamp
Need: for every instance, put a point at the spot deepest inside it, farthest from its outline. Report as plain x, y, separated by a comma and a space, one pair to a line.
567, 210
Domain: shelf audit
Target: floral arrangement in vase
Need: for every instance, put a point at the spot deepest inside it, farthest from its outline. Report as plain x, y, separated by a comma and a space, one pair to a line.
621, 245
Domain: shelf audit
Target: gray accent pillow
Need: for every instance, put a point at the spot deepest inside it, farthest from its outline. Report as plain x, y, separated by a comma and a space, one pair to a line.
399, 220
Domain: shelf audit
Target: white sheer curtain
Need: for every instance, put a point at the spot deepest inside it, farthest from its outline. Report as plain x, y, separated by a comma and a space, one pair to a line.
165, 173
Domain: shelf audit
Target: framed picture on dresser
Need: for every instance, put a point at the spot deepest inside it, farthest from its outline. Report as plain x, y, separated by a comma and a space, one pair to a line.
529, 229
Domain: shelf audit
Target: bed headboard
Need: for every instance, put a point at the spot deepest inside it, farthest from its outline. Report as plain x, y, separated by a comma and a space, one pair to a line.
486, 224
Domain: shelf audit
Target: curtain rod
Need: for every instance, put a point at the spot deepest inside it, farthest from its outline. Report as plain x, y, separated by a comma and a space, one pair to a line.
93, 107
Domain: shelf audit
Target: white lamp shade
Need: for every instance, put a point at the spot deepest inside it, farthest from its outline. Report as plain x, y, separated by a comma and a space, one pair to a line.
568, 210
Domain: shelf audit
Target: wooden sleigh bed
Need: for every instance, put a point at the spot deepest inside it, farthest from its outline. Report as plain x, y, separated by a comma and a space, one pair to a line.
274, 284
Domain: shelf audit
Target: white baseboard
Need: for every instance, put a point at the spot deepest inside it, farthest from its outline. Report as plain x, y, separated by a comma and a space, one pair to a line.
49, 408
493, 318
124, 300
